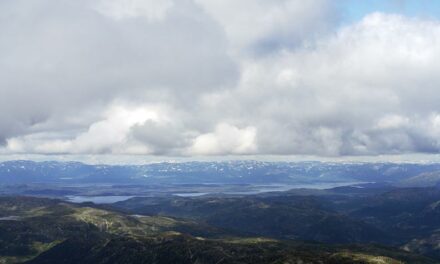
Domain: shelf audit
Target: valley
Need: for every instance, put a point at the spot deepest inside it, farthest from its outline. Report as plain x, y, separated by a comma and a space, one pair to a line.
337, 215
53, 231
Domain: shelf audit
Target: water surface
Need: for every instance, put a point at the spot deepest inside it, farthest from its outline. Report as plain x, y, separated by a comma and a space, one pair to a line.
98, 199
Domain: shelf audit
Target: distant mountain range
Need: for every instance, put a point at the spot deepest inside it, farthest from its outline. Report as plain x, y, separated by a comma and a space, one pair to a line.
228, 172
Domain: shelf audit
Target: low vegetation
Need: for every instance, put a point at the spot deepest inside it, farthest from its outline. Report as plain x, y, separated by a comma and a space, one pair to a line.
53, 231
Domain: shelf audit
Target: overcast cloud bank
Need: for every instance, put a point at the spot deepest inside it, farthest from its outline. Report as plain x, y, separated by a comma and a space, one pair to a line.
211, 77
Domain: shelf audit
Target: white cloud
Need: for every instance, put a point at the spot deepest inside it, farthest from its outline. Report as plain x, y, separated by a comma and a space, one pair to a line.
153, 10
215, 78
106, 135
392, 122
255, 26
110, 135
367, 89
226, 139
62, 60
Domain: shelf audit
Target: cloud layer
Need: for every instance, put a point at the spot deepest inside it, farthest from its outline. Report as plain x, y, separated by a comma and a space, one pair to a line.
184, 77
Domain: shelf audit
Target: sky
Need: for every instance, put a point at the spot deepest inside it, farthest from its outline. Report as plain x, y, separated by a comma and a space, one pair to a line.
196, 79
355, 10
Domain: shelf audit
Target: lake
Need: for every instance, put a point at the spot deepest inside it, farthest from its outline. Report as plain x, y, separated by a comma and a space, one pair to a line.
98, 199
247, 190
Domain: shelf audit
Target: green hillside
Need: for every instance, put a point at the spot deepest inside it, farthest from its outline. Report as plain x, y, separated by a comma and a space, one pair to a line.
35, 230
